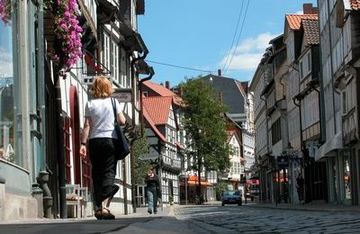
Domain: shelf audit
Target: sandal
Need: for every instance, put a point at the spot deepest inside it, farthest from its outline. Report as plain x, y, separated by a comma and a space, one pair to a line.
107, 214
99, 214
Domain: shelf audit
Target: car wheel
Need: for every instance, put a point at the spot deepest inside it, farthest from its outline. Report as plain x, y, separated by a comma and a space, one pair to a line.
240, 203
222, 204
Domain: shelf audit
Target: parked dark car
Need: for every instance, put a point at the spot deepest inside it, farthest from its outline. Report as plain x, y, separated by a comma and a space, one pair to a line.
232, 197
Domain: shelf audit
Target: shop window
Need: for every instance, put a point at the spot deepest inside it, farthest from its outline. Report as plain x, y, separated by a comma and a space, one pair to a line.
347, 175
7, 90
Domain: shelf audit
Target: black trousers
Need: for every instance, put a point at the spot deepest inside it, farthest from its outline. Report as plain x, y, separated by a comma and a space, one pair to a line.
102, 156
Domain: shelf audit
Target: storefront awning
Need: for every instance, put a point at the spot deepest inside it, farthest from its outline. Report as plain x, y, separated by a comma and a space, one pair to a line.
329, 148
195, 183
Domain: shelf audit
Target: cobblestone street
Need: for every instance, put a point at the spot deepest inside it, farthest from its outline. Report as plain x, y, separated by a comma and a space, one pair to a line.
250, 219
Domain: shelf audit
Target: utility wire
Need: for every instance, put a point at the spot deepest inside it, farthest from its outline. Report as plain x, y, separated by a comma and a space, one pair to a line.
235, 33
176, 66
238, 39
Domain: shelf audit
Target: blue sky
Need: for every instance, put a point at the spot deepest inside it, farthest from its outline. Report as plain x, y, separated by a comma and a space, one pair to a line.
198, 34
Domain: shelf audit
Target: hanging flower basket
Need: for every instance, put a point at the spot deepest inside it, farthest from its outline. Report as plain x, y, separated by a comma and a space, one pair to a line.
5, 11
67, 48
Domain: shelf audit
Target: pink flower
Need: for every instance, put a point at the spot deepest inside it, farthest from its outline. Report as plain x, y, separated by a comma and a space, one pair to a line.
5, 11
68, 30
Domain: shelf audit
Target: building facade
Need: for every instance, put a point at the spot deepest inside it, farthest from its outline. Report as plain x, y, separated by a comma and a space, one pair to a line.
339, 30
162, 113
41, 132
263, 161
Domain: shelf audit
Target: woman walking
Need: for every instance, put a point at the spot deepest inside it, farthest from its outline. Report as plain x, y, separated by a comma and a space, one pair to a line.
99, 132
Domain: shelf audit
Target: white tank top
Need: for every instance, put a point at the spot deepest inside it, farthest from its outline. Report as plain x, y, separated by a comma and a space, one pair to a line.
101, 115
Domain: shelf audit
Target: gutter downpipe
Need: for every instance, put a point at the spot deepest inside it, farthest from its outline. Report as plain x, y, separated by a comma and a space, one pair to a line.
60, 149
151, 74
132, 157
43, 177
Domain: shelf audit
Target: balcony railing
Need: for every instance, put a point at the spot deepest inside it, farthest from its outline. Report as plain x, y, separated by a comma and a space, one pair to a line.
175, 163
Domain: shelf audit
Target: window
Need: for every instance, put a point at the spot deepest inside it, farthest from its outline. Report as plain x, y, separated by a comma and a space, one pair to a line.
344, 102
276, 131
8, 150
309, 62
106, 58
301, 70
115, 61
123, 68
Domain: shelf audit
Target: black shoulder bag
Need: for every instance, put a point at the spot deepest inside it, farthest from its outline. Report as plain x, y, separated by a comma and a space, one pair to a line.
122, 148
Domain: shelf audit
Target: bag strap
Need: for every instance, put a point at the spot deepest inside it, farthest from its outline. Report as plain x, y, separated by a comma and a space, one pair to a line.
114, 109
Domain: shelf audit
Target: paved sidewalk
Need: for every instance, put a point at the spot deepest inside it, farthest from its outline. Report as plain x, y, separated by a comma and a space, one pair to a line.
141, 212
164, 222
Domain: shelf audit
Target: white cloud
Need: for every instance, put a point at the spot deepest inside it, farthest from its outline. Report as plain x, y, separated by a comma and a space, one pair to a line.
6, 63
248, 53
299, 12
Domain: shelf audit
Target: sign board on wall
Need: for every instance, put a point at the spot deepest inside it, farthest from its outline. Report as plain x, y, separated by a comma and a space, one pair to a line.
282, 162
123, 95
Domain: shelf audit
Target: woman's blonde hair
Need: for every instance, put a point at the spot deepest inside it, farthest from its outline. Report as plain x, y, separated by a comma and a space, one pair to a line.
101, 88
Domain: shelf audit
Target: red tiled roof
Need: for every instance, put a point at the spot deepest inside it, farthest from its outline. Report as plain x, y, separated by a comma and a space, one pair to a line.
152, 125
158, 108
355, 4
311, 31
164, 92
161, 90
294, 20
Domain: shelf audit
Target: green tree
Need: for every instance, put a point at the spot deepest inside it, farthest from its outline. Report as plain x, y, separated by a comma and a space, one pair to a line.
220, 188
141, 147
204, 122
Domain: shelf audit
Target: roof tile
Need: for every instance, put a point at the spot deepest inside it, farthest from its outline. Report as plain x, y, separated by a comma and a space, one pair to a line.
294, 20
158, 108
152, 125
311, 31
164, 92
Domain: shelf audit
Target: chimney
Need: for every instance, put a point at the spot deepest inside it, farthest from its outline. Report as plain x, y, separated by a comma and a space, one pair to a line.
219, 72
309, 9
167, 84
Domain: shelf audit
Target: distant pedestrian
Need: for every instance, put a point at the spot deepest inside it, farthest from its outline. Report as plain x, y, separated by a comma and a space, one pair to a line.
153, 190
300, 187
99, 129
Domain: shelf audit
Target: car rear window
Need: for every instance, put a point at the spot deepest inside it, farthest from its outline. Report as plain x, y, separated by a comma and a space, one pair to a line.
229, 193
